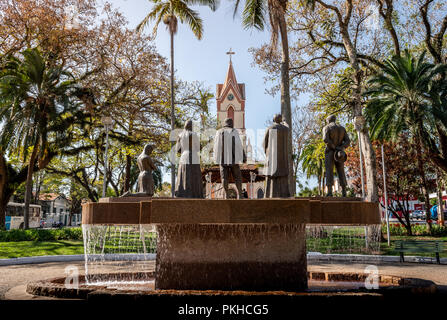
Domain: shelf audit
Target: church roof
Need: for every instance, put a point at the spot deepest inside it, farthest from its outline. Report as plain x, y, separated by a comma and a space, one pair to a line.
230, 81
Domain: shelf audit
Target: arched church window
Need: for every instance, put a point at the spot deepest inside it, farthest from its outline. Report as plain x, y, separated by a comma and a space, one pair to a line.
230, 113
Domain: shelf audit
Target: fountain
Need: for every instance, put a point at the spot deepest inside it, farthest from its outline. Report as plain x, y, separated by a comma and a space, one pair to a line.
253, 245
220, 246
215, 247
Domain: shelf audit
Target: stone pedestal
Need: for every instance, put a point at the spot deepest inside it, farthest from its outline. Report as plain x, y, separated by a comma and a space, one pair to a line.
255, 257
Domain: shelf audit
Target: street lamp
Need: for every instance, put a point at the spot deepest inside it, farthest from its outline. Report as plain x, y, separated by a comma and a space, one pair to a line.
359, 123
108, 123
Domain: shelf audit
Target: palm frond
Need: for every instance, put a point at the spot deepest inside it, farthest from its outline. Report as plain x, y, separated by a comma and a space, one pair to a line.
254, 14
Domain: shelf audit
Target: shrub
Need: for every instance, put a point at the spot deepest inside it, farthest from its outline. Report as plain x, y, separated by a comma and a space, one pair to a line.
397, 229
41, 234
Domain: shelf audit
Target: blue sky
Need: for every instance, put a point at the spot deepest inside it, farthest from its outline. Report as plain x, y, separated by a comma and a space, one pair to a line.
206, 60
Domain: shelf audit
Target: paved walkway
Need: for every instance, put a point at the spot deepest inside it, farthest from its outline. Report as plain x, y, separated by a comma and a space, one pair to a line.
13, 279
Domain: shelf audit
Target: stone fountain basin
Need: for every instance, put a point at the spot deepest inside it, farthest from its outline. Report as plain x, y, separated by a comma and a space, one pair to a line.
321, 284
249, 244
140, 210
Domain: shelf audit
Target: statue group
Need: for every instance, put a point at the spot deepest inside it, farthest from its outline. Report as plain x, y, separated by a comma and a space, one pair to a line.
229, 154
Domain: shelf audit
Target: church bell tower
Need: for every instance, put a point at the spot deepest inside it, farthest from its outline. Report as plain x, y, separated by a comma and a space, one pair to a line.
230, 97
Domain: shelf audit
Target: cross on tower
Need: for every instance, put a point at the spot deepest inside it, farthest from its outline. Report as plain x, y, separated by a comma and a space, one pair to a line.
230, 53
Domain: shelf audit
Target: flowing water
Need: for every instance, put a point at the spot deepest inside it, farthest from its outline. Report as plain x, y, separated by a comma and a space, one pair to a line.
126, 252
343, 239
118, 250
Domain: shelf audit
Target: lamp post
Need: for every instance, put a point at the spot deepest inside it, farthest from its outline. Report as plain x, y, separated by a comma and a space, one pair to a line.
108, 123
359, 122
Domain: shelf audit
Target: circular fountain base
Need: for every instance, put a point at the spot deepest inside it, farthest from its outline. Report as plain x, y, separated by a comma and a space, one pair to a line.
320, 285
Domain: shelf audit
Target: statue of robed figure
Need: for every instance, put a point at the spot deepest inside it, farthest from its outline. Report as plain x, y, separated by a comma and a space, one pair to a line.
146, 165
189, 177
145, 180
277, 163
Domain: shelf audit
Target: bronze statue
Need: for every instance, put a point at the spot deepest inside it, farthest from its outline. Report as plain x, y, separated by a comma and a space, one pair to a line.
277, 162
229, 153
189, 177
337, 140
145, 179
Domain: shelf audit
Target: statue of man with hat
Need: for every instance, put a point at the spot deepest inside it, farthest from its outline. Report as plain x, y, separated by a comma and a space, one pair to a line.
337, 140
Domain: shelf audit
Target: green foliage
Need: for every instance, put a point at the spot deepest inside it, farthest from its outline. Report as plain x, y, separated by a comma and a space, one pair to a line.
397, 229
169, 11
312, 160
399, 97
41, 234
336, 99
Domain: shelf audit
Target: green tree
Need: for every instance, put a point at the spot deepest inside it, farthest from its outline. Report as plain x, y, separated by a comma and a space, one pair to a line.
312, 161
254, 16
400, 103
35, 96
170, 11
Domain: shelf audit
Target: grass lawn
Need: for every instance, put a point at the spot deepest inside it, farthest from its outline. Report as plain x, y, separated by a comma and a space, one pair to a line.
40, 248
67, 247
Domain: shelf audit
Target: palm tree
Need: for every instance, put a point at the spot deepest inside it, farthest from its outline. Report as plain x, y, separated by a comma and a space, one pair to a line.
312, 162
254, 16
170, 11
400, 103
33, 96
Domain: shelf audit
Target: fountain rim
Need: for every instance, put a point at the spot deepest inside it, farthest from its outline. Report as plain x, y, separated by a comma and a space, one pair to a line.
55, 287
146, 210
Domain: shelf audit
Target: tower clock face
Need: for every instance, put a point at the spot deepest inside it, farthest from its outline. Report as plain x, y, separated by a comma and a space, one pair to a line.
230, 97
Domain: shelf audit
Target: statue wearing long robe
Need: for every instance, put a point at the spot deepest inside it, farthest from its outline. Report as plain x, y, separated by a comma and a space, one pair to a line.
277, 163
189, 177
146, 165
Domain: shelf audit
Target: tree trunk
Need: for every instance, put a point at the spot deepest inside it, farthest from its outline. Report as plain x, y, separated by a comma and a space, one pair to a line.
286, 109
420, 164
367, 148
127, 174
29, 186
369, 157
172, 113
440, 202
319, 186
3, 203
4, 198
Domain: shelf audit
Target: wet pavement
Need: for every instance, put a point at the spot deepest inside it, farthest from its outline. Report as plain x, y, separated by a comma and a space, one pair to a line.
13, 279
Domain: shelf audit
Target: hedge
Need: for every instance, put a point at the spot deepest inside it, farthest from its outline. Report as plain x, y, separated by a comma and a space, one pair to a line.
41, 234
396, 229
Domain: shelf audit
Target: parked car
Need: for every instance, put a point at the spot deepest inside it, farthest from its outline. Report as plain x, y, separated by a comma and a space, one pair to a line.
417, 215
57, 224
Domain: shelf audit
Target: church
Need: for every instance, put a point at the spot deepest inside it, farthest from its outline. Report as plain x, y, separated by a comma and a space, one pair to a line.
230, 102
